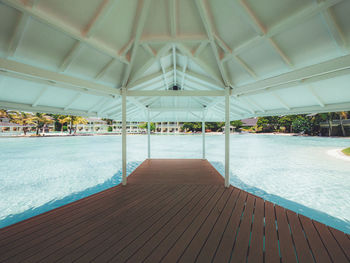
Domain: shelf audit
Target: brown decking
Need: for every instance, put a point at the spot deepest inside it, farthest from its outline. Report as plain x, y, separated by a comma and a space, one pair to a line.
172, 211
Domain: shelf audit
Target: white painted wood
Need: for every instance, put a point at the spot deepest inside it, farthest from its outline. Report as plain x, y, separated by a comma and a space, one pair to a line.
64, 28
124, 146
37, 100
227, 137
138, 32
17, 34
27, 72
203, 136
148, 135
167, 93
74, 99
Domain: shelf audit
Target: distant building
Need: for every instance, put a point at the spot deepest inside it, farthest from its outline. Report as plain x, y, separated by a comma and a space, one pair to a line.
98, 125
251, 122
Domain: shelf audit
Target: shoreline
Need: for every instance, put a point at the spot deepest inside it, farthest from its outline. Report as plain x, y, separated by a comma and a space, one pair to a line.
46, 135
338, 154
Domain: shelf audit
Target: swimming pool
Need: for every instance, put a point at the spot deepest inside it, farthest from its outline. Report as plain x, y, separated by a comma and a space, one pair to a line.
39, 174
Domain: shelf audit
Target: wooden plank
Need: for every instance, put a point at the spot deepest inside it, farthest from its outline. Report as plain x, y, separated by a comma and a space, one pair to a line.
187, 230
330, 243
104, 250
240, 250
271, 243
319, 251
223, 253
69, 241
36, 244
60, 225
256, 250
118, 225
301, 246
158, 238
343, 241
208, 250
284, 236
193, 249
165, 223
25, 225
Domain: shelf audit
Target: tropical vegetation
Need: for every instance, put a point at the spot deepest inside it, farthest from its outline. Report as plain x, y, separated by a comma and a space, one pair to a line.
346, 151
40, 121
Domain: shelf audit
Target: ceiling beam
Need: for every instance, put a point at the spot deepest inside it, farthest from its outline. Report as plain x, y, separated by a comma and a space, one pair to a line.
44, 109
164, 74
229, 55
27, 72
185, 51
64, 28
177, 40
281, 101
203, 11
100, 14
287, 23
262, 31
141, 19
171, 93
148, 64
328, 69
184, 73
200, 48
316, 97
174, 64
173, 20
74, 99
41, 94
17, 34
334, 29
100, 102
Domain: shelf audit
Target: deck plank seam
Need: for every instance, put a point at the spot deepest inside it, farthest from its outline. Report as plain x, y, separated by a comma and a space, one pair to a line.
323, 242
174, 226
64, 230
228, 221
167, 196
291, 235
277, 232
307, 239
341, 247
217, 218
204, 189
193, 220
168, 208
107, 220
45, 232
200, 251
238, 227
251, 229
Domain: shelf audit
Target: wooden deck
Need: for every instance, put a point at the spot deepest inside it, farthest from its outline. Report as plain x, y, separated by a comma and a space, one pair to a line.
172, 211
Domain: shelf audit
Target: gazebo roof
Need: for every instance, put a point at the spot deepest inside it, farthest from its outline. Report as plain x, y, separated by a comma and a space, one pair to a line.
73, 57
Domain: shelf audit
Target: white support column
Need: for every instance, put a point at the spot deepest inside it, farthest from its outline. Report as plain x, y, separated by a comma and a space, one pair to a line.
124, 135
149, 135
227, 137
203, 136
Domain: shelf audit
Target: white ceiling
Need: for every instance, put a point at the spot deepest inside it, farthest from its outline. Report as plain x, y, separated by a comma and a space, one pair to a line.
73, 57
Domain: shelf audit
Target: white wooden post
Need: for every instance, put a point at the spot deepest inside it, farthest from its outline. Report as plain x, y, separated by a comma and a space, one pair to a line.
124, 135
149, 135
227, 137
203, 136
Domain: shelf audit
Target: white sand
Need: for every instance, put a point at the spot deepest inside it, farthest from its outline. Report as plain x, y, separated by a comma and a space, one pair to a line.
337, 153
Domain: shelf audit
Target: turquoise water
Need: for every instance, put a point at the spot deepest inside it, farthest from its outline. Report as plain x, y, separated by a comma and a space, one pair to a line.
300, 173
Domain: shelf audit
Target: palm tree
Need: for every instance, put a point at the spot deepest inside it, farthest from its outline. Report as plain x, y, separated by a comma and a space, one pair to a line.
22, 118
78, 120
41, 120
62, 120
342, 115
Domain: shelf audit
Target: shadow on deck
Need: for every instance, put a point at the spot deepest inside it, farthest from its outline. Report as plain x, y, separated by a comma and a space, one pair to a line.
172, 211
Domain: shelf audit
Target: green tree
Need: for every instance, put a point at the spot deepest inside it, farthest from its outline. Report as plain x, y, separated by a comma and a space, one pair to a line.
41, 120
144, 126
303, 124
237, 124
22, 118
